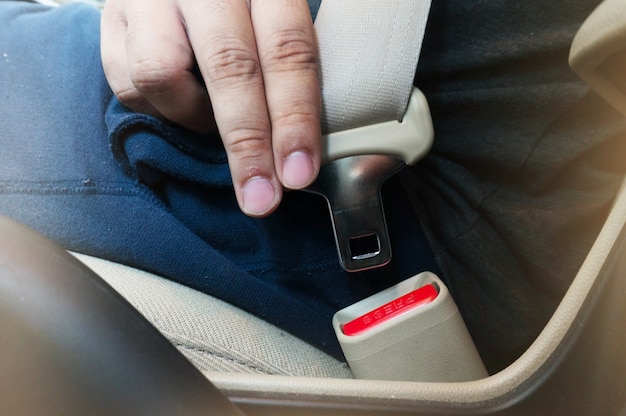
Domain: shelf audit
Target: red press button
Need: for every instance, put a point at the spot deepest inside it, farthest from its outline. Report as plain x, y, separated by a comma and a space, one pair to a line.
422, 296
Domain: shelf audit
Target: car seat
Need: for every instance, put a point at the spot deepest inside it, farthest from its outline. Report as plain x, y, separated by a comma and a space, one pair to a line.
266, 371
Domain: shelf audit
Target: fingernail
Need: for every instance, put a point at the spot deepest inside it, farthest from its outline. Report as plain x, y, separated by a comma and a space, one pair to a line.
297, 170
258, 196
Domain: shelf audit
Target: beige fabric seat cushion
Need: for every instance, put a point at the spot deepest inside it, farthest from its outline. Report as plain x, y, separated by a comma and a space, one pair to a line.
212, 334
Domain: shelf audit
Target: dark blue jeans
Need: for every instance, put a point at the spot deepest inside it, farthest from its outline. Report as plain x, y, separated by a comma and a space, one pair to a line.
523, 171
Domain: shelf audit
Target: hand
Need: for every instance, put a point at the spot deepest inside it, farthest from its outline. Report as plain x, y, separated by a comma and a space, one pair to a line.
258, 60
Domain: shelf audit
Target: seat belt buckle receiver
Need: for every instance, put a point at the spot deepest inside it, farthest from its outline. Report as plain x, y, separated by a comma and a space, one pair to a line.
356, 163
412, 331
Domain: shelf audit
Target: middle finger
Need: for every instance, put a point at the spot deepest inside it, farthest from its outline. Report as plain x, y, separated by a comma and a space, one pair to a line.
224, 43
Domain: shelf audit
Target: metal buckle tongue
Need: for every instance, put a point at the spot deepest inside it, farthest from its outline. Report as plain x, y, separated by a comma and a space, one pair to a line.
356, 164
351, 186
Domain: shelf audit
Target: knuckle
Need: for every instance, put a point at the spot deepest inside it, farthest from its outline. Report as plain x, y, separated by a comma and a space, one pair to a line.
300, 118
133, 99
290, 49
295, 131
126, 92
130, 97
150, 76
247, 144
233, 60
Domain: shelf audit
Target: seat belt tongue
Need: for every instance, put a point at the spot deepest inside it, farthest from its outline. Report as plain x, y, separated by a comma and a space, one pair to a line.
351, 186
356, 164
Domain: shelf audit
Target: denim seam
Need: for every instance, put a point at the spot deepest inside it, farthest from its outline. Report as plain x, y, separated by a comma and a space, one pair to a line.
84, 187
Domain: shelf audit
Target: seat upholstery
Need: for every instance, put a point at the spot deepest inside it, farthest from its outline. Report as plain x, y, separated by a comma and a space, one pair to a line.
212, 334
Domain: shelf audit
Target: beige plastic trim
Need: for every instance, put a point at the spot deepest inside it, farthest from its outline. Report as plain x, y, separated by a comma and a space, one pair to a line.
409, 139
427, 343
598, 53
407, 394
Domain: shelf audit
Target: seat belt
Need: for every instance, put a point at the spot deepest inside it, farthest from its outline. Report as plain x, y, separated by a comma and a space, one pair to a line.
374, 121
369, 51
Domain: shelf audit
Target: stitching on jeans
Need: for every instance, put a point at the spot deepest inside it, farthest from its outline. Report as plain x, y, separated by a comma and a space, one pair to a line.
72, 188
84, 187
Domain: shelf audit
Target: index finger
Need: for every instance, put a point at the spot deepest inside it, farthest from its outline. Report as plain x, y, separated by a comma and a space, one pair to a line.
222, 37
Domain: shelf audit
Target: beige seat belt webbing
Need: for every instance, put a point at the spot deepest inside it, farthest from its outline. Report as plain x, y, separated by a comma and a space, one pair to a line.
369, 51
